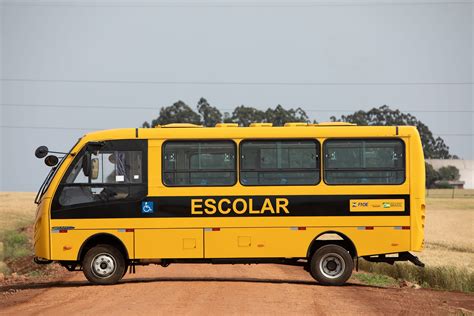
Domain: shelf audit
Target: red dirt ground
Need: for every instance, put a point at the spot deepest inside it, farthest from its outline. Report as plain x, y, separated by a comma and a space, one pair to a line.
216, 289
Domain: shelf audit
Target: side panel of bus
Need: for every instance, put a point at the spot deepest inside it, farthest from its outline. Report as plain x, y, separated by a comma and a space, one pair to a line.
169, 243
292, 242
266, 237
67, 244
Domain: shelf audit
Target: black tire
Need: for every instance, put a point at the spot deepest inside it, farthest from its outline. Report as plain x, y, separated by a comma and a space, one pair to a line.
331, 265
125, 270
104, 264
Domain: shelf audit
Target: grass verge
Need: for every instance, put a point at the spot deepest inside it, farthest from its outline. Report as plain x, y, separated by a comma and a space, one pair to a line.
375, 279
17, 212
14, 245
442, 277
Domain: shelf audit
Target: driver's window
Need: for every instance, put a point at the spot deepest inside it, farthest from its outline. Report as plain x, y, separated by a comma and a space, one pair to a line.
118, 167
102, 176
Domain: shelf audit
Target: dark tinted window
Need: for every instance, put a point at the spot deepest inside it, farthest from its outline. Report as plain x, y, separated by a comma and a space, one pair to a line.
364, 161
210, 163
285, 162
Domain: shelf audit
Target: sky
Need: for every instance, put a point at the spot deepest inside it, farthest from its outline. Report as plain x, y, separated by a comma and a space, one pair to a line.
69, 67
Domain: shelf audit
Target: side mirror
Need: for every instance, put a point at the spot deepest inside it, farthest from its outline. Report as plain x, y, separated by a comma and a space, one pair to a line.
41, 152
51, 161
86, 168
94, 168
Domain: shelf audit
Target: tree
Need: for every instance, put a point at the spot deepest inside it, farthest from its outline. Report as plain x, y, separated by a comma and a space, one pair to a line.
244, 115
227, 117
210, 115
449, 173
279, 116
434, 148
431, 175
179, 112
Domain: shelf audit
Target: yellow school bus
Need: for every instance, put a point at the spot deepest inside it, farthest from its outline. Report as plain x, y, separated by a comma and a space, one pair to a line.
316, 195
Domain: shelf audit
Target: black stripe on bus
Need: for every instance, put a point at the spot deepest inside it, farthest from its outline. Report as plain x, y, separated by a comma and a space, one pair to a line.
180, 207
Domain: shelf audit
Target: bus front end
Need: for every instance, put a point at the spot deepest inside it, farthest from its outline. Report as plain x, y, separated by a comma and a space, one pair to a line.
41, 233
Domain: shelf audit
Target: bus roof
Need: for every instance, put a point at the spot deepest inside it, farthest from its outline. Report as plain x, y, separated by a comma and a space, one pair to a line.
256, 130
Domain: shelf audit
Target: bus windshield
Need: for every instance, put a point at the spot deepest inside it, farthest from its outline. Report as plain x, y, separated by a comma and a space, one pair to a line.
47, 181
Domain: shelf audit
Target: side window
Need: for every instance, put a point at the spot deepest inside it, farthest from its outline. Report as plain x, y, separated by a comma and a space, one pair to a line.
104, 174
282, 162
199, 163
361, 161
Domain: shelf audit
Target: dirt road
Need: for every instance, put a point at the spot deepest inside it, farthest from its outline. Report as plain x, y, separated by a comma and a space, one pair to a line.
239, 289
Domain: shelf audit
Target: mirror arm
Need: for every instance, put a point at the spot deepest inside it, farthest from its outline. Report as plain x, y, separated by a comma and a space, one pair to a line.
59, 152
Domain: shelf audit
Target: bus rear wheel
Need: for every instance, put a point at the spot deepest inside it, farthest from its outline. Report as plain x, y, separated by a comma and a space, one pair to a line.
104, 264
331, 265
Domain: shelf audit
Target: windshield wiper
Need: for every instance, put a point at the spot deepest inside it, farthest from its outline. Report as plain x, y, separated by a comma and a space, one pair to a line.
48, 177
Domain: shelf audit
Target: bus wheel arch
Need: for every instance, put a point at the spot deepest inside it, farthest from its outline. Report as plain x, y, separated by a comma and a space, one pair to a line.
332, 237
102, 239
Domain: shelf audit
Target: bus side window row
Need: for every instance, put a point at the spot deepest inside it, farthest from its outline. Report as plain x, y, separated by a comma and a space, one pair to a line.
283, 162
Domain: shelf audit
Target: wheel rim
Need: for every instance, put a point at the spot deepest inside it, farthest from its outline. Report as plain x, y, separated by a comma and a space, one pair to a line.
332, 265
103, 265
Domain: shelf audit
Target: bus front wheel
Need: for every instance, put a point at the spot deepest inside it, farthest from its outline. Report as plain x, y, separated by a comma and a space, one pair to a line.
103, 264
331, 265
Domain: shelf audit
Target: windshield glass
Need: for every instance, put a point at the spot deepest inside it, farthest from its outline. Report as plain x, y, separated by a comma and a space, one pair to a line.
47, 181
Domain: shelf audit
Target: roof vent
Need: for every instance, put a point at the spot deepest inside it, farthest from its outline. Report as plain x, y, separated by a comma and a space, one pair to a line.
260, 125
295, 124
227, 125
179, 125
336, 124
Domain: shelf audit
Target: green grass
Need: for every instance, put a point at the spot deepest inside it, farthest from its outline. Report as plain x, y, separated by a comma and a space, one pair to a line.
15, 245
35, 273
375, 279
442, 277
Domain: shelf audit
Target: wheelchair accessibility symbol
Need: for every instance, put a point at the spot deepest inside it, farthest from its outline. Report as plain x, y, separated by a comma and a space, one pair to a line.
147, 207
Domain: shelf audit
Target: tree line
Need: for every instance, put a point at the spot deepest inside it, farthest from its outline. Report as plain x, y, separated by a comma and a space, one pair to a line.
440, 178
208, 115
